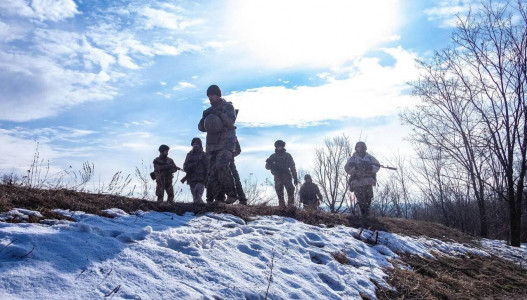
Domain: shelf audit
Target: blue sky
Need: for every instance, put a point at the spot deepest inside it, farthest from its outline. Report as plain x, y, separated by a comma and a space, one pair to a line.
109, 81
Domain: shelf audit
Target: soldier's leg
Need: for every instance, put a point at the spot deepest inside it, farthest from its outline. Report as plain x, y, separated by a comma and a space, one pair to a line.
197, 192
225, 177
214, 191
290, 188
237, 181
170, 190
160, 190
279, 188
361, 195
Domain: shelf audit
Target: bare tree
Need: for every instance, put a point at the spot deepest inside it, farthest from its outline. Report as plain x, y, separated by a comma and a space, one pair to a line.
329, 172
474, 107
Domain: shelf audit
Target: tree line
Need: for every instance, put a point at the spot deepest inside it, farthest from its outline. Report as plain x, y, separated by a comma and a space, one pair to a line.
468, 131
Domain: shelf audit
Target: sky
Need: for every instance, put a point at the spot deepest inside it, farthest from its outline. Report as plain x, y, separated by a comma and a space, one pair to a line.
160, 255
107, 82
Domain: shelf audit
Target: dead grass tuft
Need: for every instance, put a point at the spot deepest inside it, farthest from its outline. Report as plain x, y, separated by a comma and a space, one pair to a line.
340, 257
472, 277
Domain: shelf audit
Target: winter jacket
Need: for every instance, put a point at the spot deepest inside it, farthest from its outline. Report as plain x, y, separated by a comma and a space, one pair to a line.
362, 170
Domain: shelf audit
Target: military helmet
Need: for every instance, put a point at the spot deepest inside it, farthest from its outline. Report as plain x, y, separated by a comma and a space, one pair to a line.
361, 143
279, 143
196, 140
213, 124
307, 176
163, 148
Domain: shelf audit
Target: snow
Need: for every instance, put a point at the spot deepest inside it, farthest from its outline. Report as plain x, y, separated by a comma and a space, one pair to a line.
156, 255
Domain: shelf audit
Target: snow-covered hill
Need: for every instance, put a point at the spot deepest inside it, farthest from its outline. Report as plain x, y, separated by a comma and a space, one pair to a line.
153, 255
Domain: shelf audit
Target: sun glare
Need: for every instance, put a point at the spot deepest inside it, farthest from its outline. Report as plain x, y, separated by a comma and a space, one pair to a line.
314, 33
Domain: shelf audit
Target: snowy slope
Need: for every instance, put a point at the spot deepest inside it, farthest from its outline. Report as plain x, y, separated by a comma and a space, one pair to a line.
156, 255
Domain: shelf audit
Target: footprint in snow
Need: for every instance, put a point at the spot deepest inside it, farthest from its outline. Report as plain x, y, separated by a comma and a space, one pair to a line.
314, 240
333, 283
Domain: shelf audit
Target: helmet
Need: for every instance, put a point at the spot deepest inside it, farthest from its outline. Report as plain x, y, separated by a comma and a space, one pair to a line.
307, 176
279, 143
213, 124
361, 144
163, 148
196, 140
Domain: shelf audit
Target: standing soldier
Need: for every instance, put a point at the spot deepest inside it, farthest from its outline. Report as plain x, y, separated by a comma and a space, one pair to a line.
218, 122
310, 195
196, 166
363, 168
164, 169
282, 167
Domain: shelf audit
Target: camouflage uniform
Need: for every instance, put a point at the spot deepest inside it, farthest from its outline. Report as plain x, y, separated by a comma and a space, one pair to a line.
363, 177
164, 167
310, 195
236, 175
220, 147
196, 166
283, 168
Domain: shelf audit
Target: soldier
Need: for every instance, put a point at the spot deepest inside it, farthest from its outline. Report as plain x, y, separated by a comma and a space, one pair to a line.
363, 168
282, 167
197, 167
310, 195
164, 169
218, 122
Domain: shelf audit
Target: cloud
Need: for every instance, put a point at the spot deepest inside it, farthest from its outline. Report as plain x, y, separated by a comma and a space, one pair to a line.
37, 87
446, 11
46, 68
166, 19
310, 33
42, 10
369, 90
183, 85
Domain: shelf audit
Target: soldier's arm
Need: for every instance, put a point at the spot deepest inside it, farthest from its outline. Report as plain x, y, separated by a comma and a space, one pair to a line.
375, 166
268, 163
350, 167
319, 195
228, 116
292, 167
201, 124
156, 167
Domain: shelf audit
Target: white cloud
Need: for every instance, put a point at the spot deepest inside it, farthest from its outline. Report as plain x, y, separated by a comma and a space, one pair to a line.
36, 87
54, 10
183, 85
166, 19
310, 33
54, 66
370, 90
42, 10
445, 12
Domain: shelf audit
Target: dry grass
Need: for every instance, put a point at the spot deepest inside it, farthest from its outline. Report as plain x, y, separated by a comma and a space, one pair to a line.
471, 277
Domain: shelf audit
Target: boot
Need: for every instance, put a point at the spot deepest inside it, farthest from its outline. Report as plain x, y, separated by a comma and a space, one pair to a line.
281, 202
231, 200
290, 201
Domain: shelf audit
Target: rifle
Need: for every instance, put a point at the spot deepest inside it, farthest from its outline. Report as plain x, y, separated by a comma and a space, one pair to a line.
374, 164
